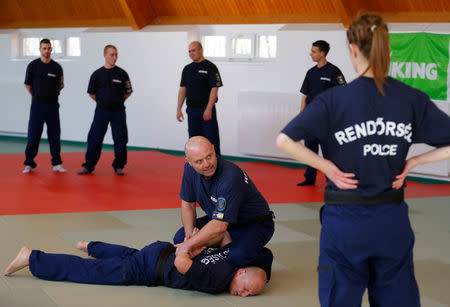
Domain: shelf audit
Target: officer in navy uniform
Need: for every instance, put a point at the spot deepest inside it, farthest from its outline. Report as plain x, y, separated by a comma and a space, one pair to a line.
109, 86
368, 126
154, 265
318, 79
44, 81
200, 82
230, 200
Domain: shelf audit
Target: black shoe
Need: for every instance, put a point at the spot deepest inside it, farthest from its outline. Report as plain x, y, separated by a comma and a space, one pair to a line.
119, 171
84, 171
306, 182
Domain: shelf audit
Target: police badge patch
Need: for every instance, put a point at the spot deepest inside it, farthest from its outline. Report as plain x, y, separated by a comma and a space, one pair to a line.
341, 80
221, 204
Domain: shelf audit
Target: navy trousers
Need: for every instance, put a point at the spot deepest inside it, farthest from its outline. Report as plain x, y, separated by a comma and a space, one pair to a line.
97, 132
248, 240
41, 113
198, 126
115, 265
367, 247
313, 144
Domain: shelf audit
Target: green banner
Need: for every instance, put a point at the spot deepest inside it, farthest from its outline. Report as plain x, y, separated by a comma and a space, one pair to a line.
421, 61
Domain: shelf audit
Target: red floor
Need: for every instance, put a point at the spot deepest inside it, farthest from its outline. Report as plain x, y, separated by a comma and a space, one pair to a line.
152, 182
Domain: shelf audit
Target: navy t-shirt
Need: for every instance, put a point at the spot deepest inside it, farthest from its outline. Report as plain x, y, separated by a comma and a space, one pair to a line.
369, 134
46, 80
229, 195
320, 79
210, 271
199, 79
110, 86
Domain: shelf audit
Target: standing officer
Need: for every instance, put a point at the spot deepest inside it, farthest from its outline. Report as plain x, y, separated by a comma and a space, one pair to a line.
230, 200
44, 80
368, 126
200, 82
318, 79
109, 87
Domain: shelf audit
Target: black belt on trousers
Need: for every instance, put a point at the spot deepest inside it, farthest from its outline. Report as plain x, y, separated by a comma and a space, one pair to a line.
261, 219
353, 198
165, 252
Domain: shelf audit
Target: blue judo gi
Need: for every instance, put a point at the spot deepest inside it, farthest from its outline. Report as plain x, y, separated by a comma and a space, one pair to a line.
46, 81
369, 134
210, 271
230, 196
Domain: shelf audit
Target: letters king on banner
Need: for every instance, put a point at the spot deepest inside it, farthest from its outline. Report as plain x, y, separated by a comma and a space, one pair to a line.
421, 61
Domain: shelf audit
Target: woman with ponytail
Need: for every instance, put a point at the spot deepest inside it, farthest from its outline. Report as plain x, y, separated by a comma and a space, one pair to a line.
368, 125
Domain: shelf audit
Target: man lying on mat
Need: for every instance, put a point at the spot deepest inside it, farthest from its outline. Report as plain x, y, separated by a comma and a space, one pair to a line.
206, 269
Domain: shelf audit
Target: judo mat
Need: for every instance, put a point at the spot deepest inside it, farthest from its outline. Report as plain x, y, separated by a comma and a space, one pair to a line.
52, 211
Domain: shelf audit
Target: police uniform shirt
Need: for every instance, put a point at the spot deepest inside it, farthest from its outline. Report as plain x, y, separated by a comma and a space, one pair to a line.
109, 85
369, 134
45, 79
199, 79
210, 272
320, 79
229, 195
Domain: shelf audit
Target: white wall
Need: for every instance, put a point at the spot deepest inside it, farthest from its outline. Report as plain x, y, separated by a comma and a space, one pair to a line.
154, 61
154, 58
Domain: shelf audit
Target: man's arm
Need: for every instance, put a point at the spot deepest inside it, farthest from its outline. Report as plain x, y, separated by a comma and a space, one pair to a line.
207, 115
303, 105
127, 95
183, 261
209, 232
28, 87
92, 96
188, 217
181, 97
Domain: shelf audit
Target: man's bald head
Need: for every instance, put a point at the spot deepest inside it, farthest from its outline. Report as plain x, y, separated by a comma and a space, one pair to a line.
248, 281
201, 156
195, 143
196, 51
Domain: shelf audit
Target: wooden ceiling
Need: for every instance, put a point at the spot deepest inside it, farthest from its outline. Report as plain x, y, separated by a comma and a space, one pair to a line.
140, 13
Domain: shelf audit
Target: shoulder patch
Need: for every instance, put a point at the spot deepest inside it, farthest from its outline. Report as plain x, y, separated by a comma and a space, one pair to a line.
221, 204
341, 80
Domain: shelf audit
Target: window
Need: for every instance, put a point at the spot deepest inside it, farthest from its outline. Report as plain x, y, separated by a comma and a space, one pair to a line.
61, 47
73, 46
267, 46
214, 46
30, 46
240, 47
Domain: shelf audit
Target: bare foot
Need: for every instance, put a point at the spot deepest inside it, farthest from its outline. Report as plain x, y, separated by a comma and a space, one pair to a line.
82, 246
21, 261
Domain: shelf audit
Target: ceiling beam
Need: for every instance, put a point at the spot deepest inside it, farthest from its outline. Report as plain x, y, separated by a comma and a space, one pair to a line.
139, 12
64, 23
247, 19
347, 10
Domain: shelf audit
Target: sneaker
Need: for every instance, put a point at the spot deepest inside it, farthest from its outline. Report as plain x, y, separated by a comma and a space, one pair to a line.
119, 171
27, 169
84, 171
59, 168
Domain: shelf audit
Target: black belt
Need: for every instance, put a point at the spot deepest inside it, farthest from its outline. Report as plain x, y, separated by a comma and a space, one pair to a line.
165, 253
261, 219
46, 99
353, 198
